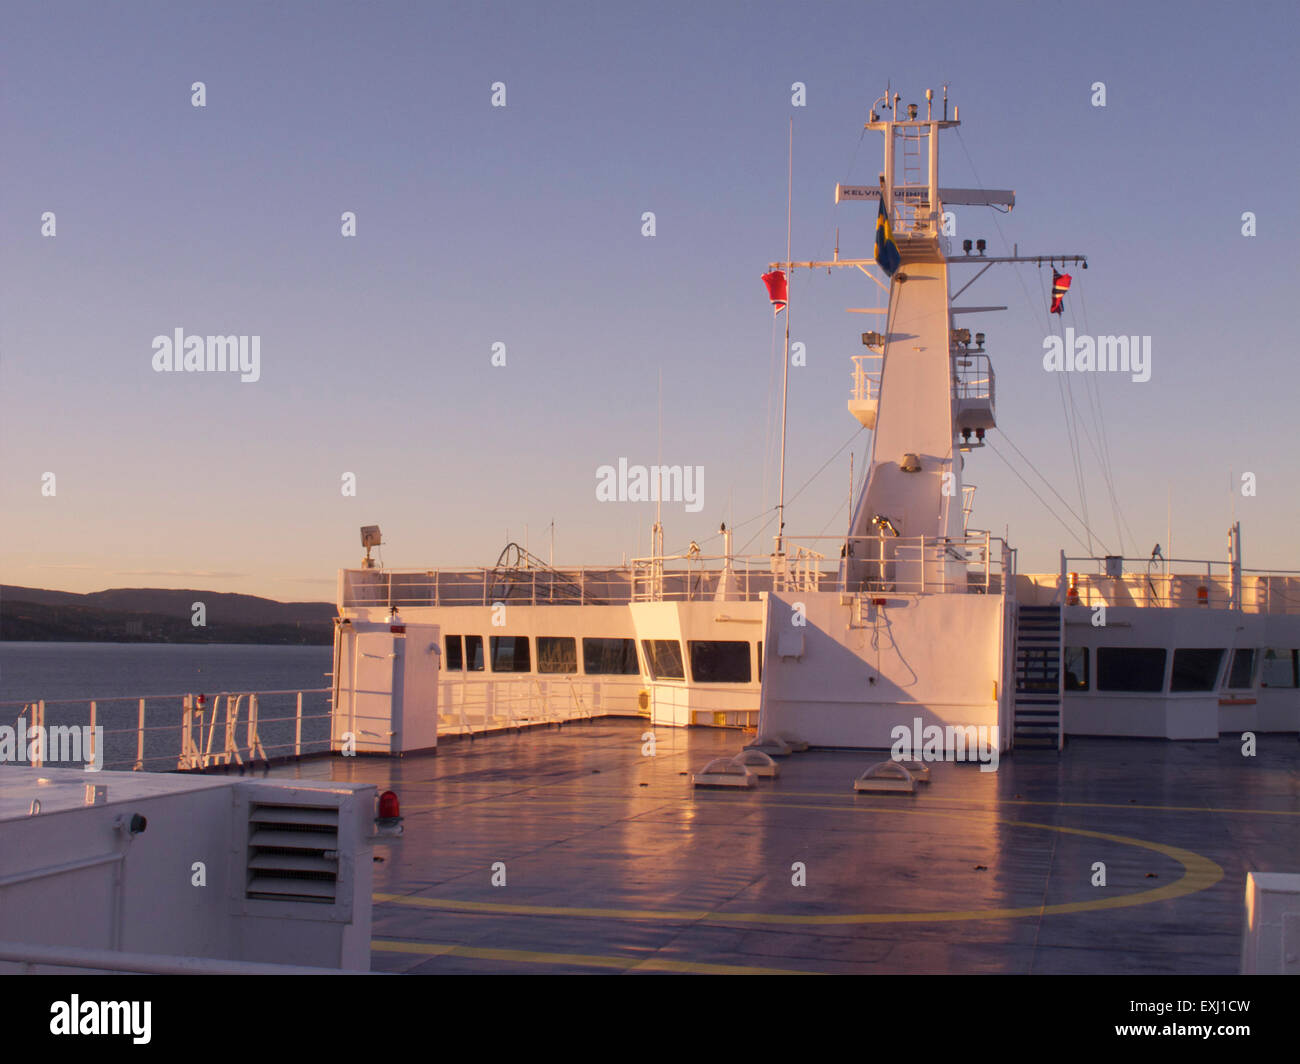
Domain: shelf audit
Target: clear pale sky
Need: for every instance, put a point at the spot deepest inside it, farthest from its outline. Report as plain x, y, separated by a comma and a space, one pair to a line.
522, 225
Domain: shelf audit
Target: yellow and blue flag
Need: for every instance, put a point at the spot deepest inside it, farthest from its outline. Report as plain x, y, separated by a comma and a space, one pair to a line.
887, 257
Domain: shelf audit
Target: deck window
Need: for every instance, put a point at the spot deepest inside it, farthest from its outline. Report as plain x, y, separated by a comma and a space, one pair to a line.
1076, 669
1196, 669
720, 661
610, 657
1280, 668
1130, 668
664, 657
557, 654
1243, 667
454, 659
510, 654
473, 653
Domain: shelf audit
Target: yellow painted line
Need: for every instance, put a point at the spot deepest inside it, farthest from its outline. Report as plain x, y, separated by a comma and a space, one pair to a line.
585, 960
1199, 873
772, 799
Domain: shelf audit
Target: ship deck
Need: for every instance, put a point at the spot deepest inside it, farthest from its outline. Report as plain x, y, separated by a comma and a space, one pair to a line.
613, 863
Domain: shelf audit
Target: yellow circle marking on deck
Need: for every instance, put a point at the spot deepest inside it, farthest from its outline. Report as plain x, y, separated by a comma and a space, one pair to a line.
580, 960
1199, 873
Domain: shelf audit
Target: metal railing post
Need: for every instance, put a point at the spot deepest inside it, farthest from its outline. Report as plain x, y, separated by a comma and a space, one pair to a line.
38, 719
297, 729
139, 740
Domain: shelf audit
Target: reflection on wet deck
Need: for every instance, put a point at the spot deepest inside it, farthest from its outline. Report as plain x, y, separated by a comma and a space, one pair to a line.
613, 863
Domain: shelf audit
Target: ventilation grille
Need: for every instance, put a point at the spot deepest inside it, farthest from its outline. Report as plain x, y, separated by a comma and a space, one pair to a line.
293, 853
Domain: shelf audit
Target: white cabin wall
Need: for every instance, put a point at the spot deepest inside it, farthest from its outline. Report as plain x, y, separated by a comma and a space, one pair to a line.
937, 657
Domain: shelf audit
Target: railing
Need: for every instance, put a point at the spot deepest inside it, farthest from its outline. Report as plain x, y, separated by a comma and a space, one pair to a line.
689, 578
693, 576
482, 587
128, 733
470, 705
980, 563
972, 375
866, 381
1212, 584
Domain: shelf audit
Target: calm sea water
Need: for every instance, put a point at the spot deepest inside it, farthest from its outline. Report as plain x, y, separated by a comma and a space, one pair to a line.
30, 671
82, 671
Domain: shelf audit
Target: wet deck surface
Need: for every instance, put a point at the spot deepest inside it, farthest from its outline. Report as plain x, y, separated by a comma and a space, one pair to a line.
612, 862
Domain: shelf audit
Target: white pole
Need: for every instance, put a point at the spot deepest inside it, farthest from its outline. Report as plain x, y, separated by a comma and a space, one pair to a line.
785, 369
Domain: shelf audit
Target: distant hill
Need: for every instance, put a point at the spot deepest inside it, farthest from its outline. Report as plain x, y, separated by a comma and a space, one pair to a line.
159, 615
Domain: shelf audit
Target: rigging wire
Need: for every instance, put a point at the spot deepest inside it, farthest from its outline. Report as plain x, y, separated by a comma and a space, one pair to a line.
1037, 309
1105, 438
1035, 494
1050, 487
839, 450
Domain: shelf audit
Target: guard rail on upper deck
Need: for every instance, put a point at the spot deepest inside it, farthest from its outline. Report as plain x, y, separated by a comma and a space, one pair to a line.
1155, 583
977, 562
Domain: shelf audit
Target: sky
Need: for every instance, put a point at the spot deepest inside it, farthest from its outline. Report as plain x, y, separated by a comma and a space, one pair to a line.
522, 225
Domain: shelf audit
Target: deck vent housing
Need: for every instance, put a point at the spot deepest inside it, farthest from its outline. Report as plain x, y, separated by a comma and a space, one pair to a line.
293, 853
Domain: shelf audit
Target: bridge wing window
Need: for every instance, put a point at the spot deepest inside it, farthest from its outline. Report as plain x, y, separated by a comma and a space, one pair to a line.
1280, 668
720, 661
1076, 669
664, 656
609, 657
510, 654
454, 659
1243, 667
1195, 669
1130, 668
557, 654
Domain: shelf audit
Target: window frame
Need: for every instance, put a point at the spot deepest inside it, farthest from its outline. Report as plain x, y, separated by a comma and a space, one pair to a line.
573, 660
1086, 687
1214, 682
625, 640
652, 662
495, 642
691, 645
1105, 651
1228, 676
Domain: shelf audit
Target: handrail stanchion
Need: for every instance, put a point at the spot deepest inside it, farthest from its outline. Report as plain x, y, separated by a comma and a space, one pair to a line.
139, 740
37, 759
297, 728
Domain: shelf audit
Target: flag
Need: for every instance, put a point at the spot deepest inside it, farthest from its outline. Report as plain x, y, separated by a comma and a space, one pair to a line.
887, 257
777, 290
1060, 285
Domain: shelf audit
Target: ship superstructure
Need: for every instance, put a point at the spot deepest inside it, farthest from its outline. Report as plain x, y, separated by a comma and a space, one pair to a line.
911, 617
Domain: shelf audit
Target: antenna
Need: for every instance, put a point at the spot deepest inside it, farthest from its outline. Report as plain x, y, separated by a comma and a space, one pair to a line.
785, 368
945, 101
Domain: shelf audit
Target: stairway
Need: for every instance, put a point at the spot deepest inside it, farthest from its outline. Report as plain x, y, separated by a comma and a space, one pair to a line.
1036, 712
